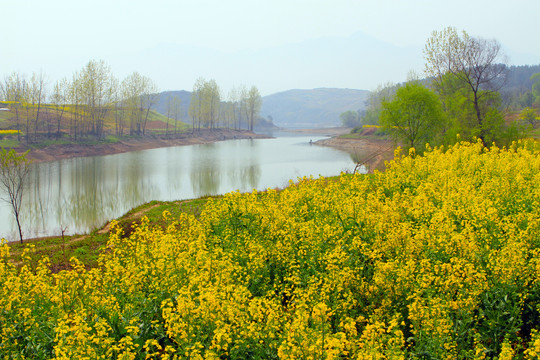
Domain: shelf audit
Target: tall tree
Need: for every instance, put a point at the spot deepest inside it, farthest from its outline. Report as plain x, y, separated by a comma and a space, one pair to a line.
384, 92
529, 115
140, 95
148, 99
196, 104
96, 77
118, 106
478, 64
15, 90
212, 102
14, 170
37, 94
233, 98
349, 118
536, 89
414, 116
173, 112
59, 99
176, 111
252, 102
76, 102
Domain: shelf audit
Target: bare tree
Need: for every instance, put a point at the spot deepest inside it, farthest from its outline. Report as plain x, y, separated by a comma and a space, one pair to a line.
176, 110
148, 99
478, 64
14, 169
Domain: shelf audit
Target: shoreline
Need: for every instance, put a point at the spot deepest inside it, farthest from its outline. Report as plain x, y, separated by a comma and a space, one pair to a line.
365, 150
68, 151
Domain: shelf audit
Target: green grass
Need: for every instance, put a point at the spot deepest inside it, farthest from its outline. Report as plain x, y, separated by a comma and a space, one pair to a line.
6, 116
379, 134
9, 143
87, 248
535, 133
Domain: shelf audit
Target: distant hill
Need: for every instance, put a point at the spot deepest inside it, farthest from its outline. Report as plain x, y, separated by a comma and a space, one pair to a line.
292, 108
185, 98
518, 82
312, 108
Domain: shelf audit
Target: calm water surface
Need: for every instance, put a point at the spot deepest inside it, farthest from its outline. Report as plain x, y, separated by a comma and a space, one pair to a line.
84, 193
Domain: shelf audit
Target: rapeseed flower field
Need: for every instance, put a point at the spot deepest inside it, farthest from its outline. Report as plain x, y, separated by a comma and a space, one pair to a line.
435, 258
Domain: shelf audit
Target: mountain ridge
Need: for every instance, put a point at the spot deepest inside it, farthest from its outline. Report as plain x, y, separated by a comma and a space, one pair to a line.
319, 107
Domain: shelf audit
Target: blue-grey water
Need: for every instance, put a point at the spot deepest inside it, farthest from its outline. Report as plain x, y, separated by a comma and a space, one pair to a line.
81, 194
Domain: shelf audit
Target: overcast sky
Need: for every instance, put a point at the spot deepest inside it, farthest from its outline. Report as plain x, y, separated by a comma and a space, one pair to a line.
251, 42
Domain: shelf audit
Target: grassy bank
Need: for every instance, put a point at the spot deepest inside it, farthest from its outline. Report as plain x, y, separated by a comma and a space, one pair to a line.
87, 247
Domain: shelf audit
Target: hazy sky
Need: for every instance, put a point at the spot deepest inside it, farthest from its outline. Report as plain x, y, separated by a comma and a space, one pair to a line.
275, 45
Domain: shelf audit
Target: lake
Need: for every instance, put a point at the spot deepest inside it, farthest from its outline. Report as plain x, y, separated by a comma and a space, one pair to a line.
81, 194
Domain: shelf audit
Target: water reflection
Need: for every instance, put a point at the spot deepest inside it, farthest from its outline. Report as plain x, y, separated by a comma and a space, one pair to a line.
84, 193
205, 170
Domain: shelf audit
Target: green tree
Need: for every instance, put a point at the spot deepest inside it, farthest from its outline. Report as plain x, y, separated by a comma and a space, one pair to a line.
195, 110
529, 115
414, 116
97, 94
211, 101
536, 89
382, 93
14, 169
251, 104
349, 118
476, 63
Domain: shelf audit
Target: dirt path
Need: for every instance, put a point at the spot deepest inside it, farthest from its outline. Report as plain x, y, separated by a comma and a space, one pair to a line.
134, 216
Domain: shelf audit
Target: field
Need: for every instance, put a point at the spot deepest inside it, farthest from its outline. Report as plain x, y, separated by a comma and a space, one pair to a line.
435, 258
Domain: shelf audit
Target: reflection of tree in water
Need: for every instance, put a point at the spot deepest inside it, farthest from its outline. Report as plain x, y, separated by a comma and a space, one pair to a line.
83, 193
244, 170
205, 171
205, 179
245, 178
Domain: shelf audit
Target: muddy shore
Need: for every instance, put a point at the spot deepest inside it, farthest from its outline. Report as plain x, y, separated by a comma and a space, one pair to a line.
366, 149
67, 151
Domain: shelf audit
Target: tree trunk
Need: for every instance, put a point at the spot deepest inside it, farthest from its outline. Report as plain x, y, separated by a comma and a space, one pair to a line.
19, 226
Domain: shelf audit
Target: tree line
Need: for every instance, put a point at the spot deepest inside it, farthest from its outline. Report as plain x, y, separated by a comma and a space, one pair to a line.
459, 99
95, 103
208, 109
81, 105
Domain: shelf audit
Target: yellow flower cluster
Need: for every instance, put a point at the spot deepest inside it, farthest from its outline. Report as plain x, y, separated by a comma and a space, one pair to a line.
8, 132
372, 126
437, 257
